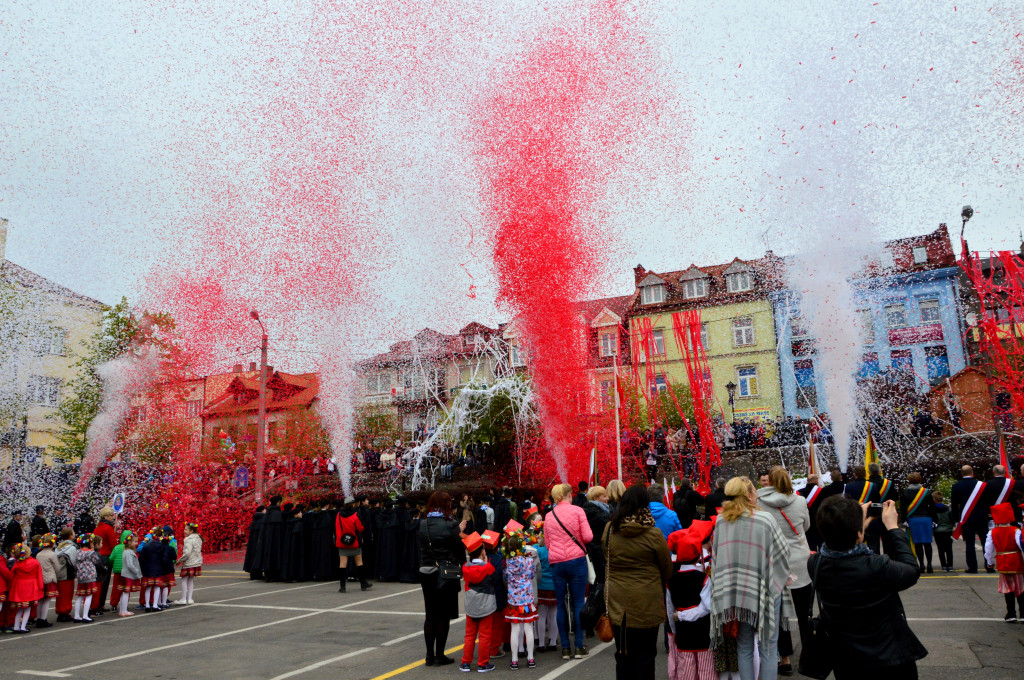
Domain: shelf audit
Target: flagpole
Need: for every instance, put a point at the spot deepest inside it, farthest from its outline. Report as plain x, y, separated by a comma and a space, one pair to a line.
618, 437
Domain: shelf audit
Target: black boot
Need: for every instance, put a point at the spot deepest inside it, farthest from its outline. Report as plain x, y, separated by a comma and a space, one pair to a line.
343, 575
364, 584
1011, 612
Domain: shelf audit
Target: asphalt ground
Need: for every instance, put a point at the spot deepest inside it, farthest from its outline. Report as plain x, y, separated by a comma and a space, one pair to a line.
271, 631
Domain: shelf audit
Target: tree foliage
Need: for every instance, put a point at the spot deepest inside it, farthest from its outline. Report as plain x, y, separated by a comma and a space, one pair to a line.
376, 424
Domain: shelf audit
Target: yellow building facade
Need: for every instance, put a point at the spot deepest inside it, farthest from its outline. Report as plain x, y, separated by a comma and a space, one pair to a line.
44, 330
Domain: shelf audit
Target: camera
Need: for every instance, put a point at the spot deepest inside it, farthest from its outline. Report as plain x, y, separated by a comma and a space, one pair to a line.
875, 510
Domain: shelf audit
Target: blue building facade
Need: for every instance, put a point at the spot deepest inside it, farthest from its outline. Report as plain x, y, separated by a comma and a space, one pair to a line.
911, 322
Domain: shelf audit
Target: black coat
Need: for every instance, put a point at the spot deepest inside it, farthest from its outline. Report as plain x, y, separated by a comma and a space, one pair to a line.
293, 565
39, 526
597, 518
14, 534
85, 524
389, 545
925, 509
862, 607
502, 514
272, 543
325, 553
251, 563
685, 505
712, 502
959, 496
443, 544
409, 571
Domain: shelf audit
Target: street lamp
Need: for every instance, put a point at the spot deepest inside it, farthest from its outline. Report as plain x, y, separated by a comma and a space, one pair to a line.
730, 387
261, 422
966, 213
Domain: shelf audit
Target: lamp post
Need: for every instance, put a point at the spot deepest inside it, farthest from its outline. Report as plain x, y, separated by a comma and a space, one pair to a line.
730, 387
261, 422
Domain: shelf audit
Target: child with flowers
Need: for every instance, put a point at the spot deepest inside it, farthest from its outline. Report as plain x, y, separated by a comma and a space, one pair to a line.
191, 561
47, 559
87, 563
131, 574
26, 585
521, 611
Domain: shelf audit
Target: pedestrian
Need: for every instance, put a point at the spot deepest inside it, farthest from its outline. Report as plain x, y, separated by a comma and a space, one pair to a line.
685, 502
348, 537
750, 570
813, 495
39, 526
615, 490
598, 515
639, 565
67, 553
6, 613
251, 563
918, 509
566, 533
479, 603
715, 499
50, 565
580, 499
14, 533
168, 556
26, 588
943, 531
116, 564
131, 575
868, 633
521, 610
547, 604
441, 549
501, 630
688, 604
970, 514
105, 530
150, 559
651, 461
87, 564
790, 512
1003, 552
666, 520
191, 561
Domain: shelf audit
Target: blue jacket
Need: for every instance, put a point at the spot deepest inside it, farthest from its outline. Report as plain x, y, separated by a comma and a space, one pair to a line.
167, 559
545, 582
665, 519
498, 580
151, 557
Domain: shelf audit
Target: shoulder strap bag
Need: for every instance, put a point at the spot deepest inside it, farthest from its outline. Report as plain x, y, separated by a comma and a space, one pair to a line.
591, 573
603, 628
447, 571
816, 655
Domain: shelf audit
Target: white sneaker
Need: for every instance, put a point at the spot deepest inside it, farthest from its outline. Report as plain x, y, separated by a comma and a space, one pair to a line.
182, 602
191, 601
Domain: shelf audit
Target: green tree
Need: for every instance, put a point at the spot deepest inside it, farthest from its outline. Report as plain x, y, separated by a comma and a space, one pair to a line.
376, 424
641, 413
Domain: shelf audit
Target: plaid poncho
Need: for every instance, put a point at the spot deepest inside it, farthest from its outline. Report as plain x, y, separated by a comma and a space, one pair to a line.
749, 568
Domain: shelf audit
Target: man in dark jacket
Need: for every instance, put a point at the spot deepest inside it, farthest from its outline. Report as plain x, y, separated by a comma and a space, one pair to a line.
14, 534
836, 487
39, 525
868, 633
883, 486
976, 525
85, 524
580, 499
715, 499
685, 503
272, 541
503, 510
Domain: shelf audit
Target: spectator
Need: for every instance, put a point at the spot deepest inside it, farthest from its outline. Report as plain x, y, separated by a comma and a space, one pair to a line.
715, 499
439, 544
615, 490
685, 503
918, 509
859, 590
750, 569
598, 514
639, 565
666, 519
790, 513
580, 499
566, 532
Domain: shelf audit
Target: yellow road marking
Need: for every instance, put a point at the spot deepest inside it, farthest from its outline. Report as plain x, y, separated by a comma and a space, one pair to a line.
403, 669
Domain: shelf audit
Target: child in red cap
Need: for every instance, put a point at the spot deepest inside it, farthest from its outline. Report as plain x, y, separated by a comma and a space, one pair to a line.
480, 604
688, 605
1002, 550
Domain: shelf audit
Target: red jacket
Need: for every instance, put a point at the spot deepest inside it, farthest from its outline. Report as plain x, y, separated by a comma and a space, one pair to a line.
5, 576
26, 581
106, 531
476, 573
347, 525
1004, 538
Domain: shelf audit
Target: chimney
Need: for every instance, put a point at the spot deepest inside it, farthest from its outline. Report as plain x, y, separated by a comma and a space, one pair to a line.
3, 239
252, 366
639, 273
237, 368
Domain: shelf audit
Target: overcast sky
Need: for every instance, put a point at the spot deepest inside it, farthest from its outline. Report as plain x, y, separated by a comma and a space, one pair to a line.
116, 119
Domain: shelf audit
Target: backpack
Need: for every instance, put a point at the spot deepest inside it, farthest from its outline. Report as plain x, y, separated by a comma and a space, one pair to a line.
67, 567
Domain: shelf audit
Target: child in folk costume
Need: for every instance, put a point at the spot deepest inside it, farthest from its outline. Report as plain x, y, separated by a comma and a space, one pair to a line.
480, 604
5, 609
115, 569
191, 561
87, 563
67, 554
167, 560
1003, 551
688, 605
26, 586
131, 575
151, 555
547, 605
50, 565
521, 610
500, 630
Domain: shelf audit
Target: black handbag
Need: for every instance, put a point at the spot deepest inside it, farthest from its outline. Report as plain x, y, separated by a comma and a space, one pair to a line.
447, 572
816, 654
593, 607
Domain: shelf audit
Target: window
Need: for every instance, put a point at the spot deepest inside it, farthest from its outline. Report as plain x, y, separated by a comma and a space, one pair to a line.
659, 385
414, 385
806, 392
516, 354
920, 255
895, 315
737, 283
378, 383
658, 343
607, 395
609, 344
937, 361
653, 295
44, 391
930, 311
747, 378
797, 327
465, 375
869, 367
193, 408
704, 336
473, 342
48, 340
867, 326
695, 288
886, 259
743, 331
902, 360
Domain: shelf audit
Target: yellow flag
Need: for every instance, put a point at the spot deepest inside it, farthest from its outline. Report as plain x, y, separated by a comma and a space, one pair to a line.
870, 453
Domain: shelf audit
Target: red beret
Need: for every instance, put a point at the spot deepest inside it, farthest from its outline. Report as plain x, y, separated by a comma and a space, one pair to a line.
491, 538
686, 543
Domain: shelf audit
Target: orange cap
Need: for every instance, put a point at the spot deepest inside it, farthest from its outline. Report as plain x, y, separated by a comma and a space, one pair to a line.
472, 542
491, 538
512, 526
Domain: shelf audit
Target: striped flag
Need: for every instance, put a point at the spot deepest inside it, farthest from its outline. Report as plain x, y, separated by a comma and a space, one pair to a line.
870, 452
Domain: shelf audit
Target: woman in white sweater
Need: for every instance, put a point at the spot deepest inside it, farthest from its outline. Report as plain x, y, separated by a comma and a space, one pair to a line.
790, 512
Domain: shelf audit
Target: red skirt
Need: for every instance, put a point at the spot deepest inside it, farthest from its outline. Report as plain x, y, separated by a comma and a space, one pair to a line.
3, 597
129, 585
151, 581
547, 597
49, 590
521, 613
85, 589
191, 572
167, 581
21, 605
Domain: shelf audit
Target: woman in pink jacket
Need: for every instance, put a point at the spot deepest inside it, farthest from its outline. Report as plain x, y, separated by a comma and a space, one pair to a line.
566, 534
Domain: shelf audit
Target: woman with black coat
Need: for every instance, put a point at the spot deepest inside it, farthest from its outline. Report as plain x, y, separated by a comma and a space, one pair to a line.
861, 608
252, 546
440, 539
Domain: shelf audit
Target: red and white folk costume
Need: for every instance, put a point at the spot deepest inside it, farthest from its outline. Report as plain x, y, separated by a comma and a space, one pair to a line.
1003, 550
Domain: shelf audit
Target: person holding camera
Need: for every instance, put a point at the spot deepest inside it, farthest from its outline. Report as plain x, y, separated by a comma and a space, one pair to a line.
861, 608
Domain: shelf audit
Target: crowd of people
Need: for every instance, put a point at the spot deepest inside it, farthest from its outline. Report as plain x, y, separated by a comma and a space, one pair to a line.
73, 571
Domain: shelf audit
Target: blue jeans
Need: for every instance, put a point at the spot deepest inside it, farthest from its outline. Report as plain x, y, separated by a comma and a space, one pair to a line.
769, 652
571, 574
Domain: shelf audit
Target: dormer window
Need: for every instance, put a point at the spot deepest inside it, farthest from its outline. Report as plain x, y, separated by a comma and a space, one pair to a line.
695, 288
920, 255
652, 295
886, 259
738, 283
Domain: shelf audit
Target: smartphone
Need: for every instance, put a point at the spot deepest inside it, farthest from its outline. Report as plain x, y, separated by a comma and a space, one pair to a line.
875, 510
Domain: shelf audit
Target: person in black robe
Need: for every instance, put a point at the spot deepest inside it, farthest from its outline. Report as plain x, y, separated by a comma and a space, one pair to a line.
293, 567
251, 564
389, 543
502, 511
272, 541
309, 518
14, 533
368, 541
409, 572
39, 526
325, 560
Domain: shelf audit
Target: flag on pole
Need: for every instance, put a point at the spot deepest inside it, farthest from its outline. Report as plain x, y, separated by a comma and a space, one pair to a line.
812, 462
595, 477
1004, 459
870, 452
668, 499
